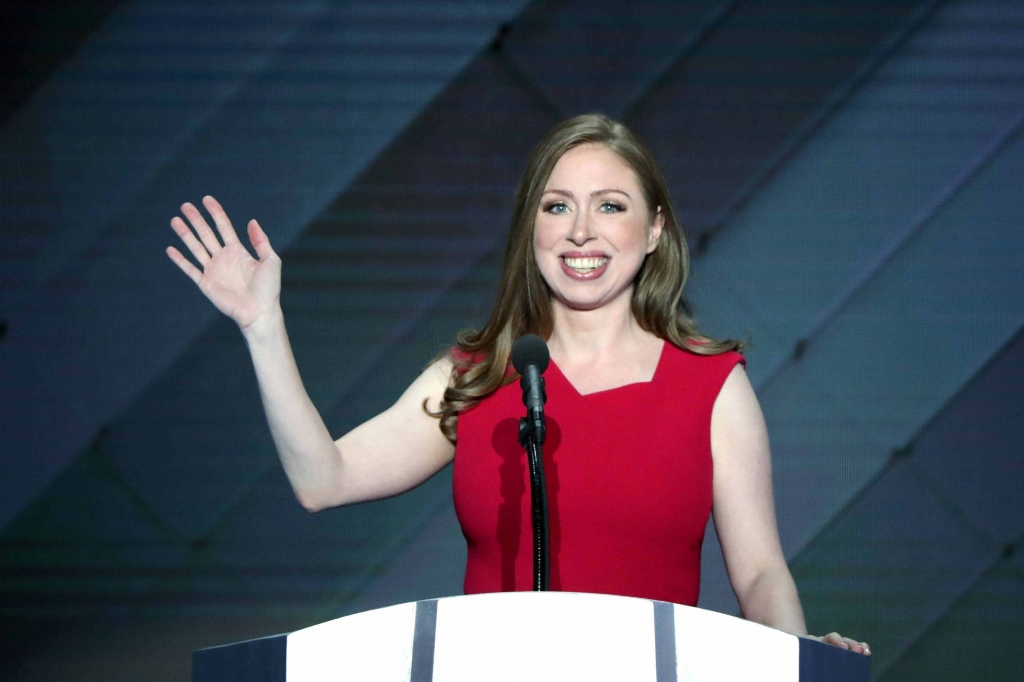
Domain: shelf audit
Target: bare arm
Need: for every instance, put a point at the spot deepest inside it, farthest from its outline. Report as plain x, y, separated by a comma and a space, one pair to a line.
744, 510
389, 454
393, 452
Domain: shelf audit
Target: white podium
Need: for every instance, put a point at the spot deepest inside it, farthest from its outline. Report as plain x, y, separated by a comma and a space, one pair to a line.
537, 636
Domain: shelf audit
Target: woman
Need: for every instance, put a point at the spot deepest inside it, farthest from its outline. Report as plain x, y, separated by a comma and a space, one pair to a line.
595, 264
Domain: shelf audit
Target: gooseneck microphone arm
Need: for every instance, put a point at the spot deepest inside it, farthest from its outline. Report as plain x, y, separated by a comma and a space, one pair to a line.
530, 358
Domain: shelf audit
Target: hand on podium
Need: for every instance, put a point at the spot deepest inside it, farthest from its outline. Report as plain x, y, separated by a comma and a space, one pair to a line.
835, 639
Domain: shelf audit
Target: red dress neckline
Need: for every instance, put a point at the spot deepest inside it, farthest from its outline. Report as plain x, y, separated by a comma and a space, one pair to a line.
654, 377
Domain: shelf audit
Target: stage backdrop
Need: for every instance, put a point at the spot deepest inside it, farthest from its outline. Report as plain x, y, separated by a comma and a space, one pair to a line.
850, 178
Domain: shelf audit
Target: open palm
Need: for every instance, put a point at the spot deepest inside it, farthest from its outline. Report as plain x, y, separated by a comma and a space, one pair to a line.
239, 286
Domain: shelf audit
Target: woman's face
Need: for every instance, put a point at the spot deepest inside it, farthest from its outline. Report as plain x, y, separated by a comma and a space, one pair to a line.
593, 227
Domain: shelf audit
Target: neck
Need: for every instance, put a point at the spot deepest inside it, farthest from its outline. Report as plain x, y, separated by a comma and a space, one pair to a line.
595, 334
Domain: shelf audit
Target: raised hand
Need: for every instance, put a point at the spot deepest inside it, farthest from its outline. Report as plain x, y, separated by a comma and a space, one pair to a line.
835, 639
242, 288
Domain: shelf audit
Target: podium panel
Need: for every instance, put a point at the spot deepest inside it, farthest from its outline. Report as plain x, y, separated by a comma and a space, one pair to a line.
514, 636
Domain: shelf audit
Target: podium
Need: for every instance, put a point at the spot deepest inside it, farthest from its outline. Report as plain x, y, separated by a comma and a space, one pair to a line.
537, 636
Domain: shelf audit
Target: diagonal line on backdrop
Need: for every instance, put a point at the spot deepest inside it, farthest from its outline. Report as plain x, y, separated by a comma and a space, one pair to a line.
101, 465
947, 500
907, 450
957, 599
522, 74
529, 82
331, 607
72, 242
901, 239
109, 470
805, 132
686, 51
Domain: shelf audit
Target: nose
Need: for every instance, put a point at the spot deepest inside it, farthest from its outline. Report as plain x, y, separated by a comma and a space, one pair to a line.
581, 230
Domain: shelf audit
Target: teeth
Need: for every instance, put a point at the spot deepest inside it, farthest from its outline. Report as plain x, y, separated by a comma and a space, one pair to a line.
585, 263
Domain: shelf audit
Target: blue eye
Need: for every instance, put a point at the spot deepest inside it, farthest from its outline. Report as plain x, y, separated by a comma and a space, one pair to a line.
558, 208
611, 207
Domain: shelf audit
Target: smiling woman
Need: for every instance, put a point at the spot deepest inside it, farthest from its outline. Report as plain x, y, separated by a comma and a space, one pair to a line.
652, 426
595, 264
591, 190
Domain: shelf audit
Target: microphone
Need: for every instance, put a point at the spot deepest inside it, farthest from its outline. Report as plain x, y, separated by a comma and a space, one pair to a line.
530, 358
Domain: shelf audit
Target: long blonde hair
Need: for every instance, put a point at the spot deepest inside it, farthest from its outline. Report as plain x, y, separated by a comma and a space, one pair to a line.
481, 357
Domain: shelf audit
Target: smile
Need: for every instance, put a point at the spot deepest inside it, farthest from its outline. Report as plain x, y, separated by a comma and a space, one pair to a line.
588, 267
585, 264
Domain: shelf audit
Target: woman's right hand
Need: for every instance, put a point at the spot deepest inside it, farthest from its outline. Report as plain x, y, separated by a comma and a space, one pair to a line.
242, 288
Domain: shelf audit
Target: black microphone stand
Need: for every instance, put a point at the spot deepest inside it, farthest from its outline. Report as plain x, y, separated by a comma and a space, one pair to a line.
531, 437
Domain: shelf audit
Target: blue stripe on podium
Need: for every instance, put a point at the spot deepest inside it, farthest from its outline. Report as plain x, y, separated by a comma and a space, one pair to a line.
820, 662
665, 641
423, 641
258, 660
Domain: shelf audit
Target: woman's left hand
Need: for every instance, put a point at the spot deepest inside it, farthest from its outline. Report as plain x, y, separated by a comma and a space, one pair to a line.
835, 639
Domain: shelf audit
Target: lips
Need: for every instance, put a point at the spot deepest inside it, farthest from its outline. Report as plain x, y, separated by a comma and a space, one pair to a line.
584, 265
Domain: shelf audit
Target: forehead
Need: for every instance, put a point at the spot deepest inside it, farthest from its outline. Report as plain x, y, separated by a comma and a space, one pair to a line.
592, 166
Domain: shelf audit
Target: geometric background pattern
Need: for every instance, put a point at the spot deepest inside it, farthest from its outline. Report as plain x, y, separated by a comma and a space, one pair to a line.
849, 179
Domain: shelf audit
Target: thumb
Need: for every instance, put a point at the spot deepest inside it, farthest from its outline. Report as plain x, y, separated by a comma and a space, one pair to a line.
259, 240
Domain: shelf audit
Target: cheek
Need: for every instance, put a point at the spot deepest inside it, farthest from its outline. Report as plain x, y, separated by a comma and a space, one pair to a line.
545, 234
629, 236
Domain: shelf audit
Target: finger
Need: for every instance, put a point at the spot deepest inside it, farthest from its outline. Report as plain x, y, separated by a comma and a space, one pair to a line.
844, 642
259, 240
855, 646
227, 232
192, 271
197, 249
835, 639
201, 227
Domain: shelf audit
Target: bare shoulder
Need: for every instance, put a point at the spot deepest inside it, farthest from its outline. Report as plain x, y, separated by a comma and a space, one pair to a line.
737, 423
440, 370
430, 385
737, 387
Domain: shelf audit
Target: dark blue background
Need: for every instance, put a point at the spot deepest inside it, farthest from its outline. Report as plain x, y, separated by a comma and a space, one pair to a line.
849, 175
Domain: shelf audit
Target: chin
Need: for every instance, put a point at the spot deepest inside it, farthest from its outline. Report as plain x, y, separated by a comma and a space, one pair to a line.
581, 304
582, 296
582, 307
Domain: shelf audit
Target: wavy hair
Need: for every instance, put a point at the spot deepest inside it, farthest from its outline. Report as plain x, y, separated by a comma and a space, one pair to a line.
481, 358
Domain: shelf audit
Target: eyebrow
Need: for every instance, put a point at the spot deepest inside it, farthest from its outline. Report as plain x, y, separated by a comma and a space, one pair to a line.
596, 192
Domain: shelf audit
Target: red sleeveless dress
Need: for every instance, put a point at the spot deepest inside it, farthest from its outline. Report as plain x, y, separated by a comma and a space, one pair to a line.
628, 476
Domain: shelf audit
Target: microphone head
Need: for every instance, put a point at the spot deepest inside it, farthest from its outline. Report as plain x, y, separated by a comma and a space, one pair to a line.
530, 349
